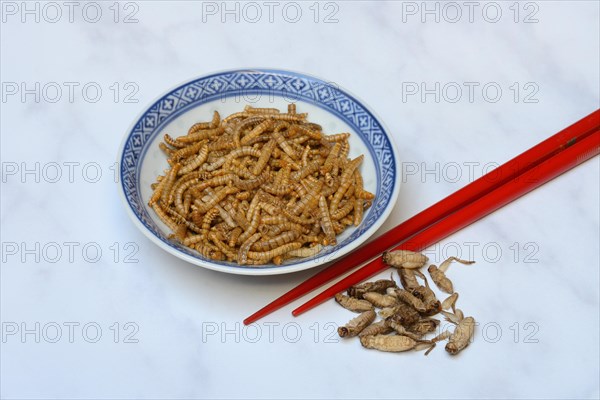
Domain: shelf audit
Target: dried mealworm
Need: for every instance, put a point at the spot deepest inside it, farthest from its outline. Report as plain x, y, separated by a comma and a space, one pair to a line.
356, 325
342, 211
228, 251
198, 126
207, 221
358, 211
341, 159
287, 117
295, 219
252, 227
164, 217
196, 162
180, 220
213, 182
278, 251
308, 131
157, 194
345, 182
173, 142
245, 248
265, 154
216, 199
331, 157
305, 251
216, 120
339, 137
186, 151
285, 146
326, 224
256, 110
166, 149
305, 155
200, 135
257, 168
209, 251
235, 234
170, 181
249, 184
187, 201
276, 241
353, 304
256, 131
193, 239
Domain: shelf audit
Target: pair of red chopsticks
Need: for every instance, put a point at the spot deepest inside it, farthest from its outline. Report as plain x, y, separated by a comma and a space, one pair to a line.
531, 169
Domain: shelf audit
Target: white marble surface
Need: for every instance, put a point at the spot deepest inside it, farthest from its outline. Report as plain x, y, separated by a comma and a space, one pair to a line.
551, 283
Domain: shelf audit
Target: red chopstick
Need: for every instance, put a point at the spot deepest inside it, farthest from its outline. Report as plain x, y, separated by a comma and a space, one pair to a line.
443, 208
572, 156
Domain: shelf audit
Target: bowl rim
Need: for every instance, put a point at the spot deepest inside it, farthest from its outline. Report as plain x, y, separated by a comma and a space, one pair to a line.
258, 271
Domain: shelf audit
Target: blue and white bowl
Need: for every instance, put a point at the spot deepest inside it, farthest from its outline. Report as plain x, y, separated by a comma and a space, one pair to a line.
141, 161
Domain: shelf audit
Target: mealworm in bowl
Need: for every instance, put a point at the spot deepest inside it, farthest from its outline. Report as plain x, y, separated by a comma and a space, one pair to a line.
234, 172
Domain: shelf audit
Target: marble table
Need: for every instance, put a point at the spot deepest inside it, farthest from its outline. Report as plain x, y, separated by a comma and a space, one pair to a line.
90, 308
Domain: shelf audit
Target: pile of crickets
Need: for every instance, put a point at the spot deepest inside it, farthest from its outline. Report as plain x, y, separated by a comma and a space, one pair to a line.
406, 313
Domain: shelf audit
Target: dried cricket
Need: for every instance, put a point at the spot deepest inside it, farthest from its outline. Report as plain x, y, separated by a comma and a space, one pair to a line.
390, 343
353, 304
461, 337
356, 325
400, 329
424, 326
378, 328
380, 300
427, 296
406, 311
404, 315
450, 302
438, 275
379, 286
408, 298
404, 259
408, 278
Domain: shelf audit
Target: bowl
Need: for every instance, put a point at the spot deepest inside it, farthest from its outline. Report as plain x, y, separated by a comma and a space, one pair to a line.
335, 109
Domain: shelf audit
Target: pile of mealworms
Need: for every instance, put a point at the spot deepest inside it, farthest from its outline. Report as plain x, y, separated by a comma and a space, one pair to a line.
406, 313
259, 186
